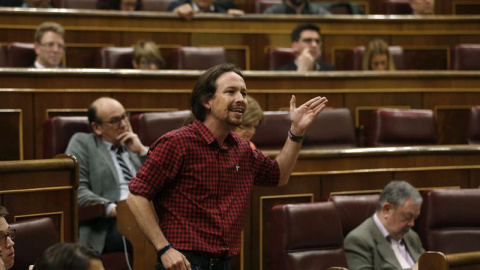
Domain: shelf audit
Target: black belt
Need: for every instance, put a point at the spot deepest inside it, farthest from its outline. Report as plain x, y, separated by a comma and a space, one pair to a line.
206, 263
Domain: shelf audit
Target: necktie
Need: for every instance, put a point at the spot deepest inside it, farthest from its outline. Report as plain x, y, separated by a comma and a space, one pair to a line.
400, 256
127, 174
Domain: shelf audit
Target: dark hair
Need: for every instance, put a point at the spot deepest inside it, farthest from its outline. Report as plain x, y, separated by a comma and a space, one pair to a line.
396, 193
116, 4
92, 114
299, 29
206, 86
67, 256
3, 211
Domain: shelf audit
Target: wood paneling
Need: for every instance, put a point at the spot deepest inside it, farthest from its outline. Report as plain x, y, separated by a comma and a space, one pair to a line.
245, 37
70, 91
37, 188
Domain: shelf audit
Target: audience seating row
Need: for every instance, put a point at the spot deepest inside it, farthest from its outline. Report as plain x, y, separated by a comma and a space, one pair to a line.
180, 58
335, 7
147, 5
311, 234
343, 7
463, 57
333, 128
16, 54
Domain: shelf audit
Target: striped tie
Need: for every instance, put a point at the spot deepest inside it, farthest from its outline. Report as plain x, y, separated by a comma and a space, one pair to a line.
127, 174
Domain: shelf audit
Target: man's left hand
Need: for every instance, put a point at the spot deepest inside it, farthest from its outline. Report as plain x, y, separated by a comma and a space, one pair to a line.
304, 115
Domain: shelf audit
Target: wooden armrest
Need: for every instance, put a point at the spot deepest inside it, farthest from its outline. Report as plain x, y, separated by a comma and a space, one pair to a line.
90, 212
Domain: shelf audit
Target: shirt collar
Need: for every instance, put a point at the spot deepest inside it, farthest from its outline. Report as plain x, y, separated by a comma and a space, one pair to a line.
209, 137
38, 65
196, 8
114, 148
380, 226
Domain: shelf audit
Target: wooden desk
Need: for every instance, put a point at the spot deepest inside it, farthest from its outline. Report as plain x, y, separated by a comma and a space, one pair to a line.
426, 40
433, 260
29, 96
42, 188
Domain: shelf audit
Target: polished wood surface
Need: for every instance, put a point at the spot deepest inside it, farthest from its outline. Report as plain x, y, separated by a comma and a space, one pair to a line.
42, 188
353, 159
29, 96
426, 40
434, 260
144, 253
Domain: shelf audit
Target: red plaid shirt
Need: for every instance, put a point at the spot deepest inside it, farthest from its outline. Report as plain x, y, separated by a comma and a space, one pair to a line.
202, 191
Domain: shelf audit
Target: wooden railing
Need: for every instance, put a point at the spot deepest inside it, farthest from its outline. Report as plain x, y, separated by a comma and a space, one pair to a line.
434, 260
42, 188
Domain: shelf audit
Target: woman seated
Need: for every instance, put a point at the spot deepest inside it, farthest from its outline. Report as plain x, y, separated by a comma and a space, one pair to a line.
252, 118
377, 56
146, 55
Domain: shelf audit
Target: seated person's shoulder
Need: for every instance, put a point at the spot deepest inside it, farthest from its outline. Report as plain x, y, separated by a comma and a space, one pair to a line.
326, 66
275, 9
176, 4
360, 232
80, 139
318, 9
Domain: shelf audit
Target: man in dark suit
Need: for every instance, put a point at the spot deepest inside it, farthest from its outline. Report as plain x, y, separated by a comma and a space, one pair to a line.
307, 44
187, 8
49, 45
108, 158
385, 240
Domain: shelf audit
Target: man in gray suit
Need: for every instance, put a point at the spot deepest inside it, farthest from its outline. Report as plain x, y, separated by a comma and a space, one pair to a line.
385, 240
108, 158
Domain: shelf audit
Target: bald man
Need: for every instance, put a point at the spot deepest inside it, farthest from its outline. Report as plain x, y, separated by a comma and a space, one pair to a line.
108, 158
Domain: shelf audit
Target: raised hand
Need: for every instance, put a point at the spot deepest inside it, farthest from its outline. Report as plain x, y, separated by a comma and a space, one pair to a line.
304, 115
305, 60
132, 142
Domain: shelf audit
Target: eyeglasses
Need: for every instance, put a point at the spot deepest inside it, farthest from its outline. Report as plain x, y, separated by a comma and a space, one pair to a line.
3, 237
51, 45
115, 121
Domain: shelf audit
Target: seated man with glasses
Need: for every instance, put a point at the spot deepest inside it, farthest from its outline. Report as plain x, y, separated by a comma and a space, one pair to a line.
6, 241
108, 158
307, 44
49, 45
